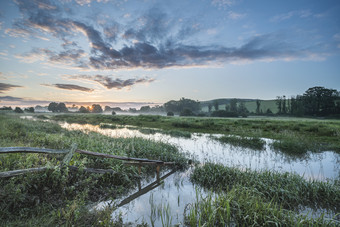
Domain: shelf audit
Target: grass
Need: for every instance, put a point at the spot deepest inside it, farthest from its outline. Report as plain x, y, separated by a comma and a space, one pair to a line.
318, 134
286, 189
252, 198
243, 206
253, 142
60, 196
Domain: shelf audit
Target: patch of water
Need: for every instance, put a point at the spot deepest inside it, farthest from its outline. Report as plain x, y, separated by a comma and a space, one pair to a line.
154, 201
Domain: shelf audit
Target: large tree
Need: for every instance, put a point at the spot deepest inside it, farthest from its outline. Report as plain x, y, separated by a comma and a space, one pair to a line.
96, 108
182, 104
320, 101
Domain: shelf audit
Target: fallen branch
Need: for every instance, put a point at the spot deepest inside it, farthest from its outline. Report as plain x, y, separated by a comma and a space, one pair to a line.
5, 150
117, 157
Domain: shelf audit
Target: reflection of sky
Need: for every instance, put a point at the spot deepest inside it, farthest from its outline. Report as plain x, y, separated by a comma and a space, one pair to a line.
121, 51
177, 191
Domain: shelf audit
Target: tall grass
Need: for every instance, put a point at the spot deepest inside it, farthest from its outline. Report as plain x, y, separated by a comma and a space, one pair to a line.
242, 206
55, 194
286, 189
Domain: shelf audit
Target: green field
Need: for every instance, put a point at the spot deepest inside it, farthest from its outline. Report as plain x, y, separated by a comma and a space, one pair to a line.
61, 196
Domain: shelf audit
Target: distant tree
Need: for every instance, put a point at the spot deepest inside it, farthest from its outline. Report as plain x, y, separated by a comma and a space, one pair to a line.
284, 107
6, 108
296, 106
233, 105
18, 110
216, 105
183, 103
279, 104
83, 110
108, 109
242, 110
61, 108
145, 109
320, 101
132, 110
157, 108
117, 109
29, 109
53, 107
170, 114
223, 113
187, 112
209, 107
227, 108
258, 104
113, 112
96, 108
269, 112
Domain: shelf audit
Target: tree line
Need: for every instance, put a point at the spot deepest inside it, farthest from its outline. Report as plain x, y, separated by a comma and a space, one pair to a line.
316, 101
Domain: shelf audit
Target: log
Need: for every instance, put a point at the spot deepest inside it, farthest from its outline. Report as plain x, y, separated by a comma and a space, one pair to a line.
117, 157
92, 170
4, 150
21, 171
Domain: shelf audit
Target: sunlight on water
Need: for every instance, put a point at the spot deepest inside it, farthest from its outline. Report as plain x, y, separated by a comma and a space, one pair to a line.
164, 202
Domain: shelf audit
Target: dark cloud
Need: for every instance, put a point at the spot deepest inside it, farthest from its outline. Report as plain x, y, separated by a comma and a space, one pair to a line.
152, 40
10, 98
70, 87
110, 83
6, 87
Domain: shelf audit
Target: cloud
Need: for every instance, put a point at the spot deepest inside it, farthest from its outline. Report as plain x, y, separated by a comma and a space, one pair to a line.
150, 40
110, 83
70, 87
6, 87
10, 98
291, 14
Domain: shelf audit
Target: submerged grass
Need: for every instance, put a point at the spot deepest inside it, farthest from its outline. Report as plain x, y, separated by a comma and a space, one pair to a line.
248, 197
253, 142
60, 196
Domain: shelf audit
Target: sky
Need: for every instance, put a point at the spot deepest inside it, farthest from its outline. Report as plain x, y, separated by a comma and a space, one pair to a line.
153, 51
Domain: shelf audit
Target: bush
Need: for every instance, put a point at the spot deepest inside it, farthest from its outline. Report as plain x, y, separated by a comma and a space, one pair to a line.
18, 110
170, 114
187, 112
113, 113
223, 113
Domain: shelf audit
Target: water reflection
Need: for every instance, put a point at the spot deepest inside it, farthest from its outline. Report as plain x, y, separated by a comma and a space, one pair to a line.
320, 166
170, 196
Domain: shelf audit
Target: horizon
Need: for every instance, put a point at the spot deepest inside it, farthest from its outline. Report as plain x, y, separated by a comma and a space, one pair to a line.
147, 53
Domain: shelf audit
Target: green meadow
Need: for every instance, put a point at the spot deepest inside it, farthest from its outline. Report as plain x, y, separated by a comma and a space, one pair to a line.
62, 196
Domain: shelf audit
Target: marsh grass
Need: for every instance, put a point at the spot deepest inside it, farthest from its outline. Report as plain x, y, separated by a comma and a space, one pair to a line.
242, 206
325, 134
60, 196
252, 142
286, 189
